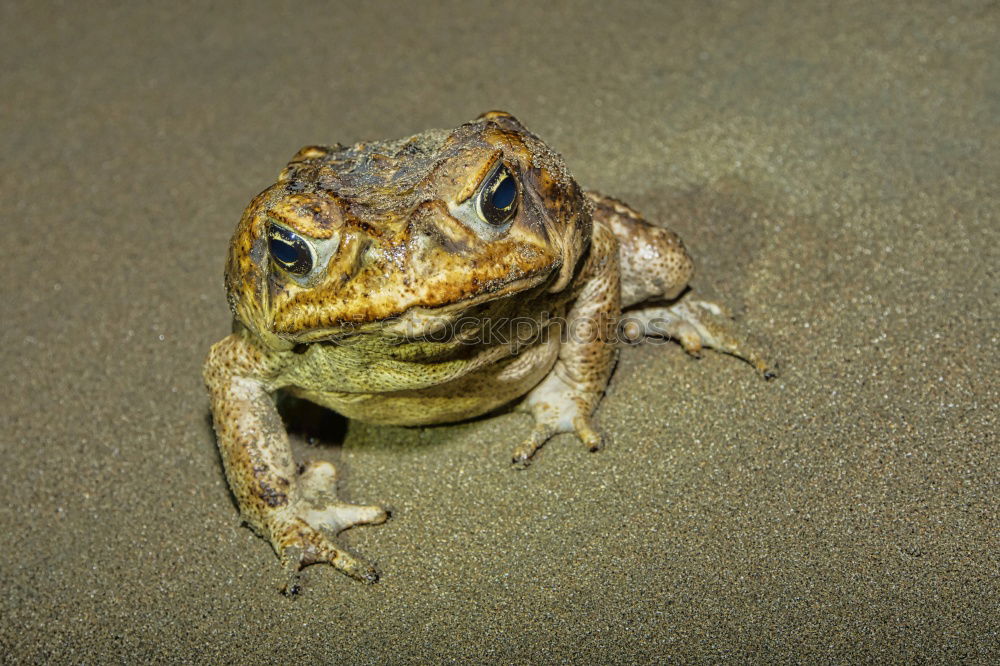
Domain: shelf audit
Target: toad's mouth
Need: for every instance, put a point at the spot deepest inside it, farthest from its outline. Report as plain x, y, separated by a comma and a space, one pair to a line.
413, 321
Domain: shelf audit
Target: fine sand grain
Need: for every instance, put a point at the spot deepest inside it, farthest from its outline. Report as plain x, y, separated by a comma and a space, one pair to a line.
835, 170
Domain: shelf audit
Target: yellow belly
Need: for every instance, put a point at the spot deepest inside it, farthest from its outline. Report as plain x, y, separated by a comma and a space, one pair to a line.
484, 389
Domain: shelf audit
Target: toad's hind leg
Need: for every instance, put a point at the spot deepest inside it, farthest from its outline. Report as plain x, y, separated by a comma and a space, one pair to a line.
655, 266
695, 324
654, 262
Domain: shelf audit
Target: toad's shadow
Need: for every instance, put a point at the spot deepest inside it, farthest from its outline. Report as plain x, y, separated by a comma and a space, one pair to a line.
314, 424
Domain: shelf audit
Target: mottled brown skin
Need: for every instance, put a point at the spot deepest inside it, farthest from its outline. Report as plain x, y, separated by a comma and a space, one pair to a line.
388, 325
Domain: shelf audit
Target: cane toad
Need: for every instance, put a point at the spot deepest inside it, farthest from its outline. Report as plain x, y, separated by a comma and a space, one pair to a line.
370, 279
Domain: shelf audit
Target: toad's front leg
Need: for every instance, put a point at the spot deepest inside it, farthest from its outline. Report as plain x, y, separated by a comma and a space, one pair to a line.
296, 509
565, 400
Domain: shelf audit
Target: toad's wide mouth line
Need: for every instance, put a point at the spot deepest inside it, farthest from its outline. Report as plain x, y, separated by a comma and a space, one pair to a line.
360, 325
522, 332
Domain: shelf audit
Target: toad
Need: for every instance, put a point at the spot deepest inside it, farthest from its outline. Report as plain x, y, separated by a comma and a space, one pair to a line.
426, 280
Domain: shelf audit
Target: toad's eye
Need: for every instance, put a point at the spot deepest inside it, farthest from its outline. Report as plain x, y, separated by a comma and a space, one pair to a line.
497, 199
289, 250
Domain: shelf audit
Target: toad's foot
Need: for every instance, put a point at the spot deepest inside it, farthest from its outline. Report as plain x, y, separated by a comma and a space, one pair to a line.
303, 534
558, 406
696, 324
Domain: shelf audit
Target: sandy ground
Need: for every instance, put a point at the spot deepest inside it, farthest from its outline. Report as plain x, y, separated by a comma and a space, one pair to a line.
832, 166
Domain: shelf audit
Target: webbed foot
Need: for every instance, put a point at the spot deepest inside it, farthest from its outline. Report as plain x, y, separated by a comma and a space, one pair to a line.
304, 533
697, 324
558, 407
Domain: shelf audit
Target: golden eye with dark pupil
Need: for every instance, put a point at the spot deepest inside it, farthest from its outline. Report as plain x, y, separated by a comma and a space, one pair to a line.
289, 250
497, 199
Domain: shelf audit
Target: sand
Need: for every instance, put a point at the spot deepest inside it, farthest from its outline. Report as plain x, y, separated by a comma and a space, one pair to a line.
834, 169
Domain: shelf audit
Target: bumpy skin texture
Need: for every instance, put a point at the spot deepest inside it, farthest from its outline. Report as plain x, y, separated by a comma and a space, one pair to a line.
398, 317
